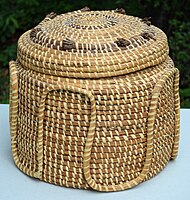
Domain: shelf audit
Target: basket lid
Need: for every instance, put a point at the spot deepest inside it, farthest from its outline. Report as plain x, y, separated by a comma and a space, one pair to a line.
92, 44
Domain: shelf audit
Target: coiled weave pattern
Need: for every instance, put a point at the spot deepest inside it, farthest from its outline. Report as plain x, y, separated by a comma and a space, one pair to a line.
94, 101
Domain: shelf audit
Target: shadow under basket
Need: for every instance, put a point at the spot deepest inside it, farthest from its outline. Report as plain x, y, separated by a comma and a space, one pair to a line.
94, 101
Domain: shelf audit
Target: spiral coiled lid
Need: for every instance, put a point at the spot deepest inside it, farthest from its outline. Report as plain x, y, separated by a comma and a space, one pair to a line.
92, 44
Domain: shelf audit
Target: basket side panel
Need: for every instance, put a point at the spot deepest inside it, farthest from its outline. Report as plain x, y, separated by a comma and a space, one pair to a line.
26, 133
177, 115
119, 145
13, 107
65, 128
164, 133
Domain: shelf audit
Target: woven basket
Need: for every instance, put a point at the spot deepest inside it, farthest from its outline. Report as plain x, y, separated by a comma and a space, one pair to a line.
94, 101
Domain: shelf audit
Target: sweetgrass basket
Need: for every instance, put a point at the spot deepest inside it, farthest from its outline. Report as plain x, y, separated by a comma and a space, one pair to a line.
94, 100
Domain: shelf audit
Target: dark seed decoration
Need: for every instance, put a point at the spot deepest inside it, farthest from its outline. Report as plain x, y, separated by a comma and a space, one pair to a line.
51, 15
85, 9
34, 32
121, 42
146, 20
147, 36
68, 44
120, 10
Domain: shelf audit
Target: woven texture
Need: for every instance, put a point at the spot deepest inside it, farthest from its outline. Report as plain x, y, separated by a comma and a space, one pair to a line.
94, 100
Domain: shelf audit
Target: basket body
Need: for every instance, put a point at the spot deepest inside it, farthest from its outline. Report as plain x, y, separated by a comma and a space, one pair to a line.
92, 130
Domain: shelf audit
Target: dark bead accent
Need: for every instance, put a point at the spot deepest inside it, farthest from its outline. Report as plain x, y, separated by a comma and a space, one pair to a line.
51, 15
120, 10
34, 32
146, 20
85, 9
147, 36
68, 44
121, 42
